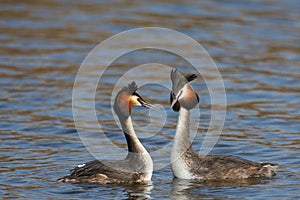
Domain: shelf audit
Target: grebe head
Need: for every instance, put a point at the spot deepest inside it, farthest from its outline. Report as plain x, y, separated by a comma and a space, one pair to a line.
127, 98
182, 93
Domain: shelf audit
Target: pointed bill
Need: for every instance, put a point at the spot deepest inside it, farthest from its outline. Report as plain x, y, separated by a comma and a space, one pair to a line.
147, 105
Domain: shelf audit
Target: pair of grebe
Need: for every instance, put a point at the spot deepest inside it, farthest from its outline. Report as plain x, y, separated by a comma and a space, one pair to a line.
186, 164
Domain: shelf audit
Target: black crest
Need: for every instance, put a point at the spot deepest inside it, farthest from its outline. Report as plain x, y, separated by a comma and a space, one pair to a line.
131, 88
178, 80
190, 77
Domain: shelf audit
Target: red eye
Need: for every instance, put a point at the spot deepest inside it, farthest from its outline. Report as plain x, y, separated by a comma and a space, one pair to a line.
139, 100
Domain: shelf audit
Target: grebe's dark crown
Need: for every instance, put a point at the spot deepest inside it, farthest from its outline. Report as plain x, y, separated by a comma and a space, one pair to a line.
179, 80
131, 88
182, 93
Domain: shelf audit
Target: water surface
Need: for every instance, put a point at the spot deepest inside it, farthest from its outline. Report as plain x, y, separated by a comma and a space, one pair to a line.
254, 43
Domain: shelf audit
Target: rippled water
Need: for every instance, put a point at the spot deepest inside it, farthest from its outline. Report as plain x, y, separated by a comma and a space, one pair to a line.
254, 43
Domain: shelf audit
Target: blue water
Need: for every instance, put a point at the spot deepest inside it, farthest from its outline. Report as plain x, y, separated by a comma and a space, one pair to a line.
255, 45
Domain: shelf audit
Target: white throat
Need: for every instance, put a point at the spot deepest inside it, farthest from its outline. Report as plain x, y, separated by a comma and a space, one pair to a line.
180, 145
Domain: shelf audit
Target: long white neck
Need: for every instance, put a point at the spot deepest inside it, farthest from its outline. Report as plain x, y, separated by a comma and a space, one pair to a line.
181, 144
134, 144
182, 136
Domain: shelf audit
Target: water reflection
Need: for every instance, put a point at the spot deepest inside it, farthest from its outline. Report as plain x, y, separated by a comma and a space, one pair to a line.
139, 191
130, 191
191, 189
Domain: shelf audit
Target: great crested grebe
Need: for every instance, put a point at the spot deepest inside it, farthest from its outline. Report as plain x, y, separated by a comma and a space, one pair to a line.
186, 164
136, 167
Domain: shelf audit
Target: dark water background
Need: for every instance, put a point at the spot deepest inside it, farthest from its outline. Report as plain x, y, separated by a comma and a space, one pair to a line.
42, 44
